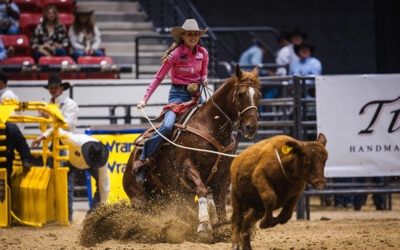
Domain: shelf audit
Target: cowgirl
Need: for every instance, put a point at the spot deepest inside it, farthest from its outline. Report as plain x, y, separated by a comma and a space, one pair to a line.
187, 61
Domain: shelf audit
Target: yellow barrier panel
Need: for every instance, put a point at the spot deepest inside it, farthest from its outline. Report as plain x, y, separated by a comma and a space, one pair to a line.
39, 196
61, 193
5, 216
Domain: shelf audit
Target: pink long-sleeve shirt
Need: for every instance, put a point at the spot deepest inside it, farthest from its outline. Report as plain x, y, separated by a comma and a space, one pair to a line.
185, 67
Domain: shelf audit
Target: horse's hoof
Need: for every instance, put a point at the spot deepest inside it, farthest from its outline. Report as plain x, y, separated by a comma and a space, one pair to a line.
204, 231
236, 247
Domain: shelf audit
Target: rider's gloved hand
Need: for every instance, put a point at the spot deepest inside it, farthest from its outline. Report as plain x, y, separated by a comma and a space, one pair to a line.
141, 104
204, 82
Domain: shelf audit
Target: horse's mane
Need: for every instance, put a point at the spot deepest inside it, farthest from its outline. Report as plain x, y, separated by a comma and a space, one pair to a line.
248, 77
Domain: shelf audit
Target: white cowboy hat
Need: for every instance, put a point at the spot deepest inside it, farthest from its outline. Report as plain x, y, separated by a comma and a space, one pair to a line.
188, 25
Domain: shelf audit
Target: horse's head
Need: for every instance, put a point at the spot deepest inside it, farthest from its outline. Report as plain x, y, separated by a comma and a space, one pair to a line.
246, 96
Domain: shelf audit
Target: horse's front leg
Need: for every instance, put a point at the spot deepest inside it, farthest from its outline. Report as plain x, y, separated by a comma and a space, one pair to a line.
220, 186
133, 189
204, 228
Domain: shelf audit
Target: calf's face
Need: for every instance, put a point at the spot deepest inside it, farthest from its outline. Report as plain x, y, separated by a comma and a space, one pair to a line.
311, 161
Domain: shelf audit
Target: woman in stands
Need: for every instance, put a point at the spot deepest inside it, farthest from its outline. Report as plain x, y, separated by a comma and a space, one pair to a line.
84, 35
50, 37
187, 62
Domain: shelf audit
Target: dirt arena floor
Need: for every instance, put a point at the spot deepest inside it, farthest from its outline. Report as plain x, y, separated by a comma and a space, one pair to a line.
329, 228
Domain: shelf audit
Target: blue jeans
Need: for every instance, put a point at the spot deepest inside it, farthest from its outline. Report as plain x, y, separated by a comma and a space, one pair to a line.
58, 52
152, 145
78, 53
12, 30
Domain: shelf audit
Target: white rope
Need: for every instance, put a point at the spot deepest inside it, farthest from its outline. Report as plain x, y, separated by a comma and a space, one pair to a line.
280, 163
180, 146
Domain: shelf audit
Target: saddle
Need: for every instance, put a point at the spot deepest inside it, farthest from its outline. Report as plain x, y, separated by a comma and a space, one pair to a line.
182, 119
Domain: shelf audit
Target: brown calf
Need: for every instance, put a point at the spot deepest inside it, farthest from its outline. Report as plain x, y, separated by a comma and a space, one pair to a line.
269, 175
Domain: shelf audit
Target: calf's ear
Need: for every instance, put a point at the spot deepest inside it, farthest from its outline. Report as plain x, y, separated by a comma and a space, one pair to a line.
322, 139
294, 146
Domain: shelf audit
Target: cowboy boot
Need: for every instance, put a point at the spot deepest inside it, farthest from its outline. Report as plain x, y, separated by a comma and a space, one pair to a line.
142, 168
141, 174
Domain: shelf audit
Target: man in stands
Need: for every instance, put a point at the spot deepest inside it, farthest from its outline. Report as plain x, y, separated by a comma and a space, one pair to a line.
286, 55
9, 16
6, 92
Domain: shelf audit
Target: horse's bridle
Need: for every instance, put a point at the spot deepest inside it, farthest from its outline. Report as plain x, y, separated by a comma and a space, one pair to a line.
234, 124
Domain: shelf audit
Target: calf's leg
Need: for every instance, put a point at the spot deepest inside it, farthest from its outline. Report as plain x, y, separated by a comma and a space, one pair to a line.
249, 220
268, 197
287, 211
236, 220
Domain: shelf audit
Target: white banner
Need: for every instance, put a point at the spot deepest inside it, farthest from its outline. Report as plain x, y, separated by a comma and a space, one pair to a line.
360, 117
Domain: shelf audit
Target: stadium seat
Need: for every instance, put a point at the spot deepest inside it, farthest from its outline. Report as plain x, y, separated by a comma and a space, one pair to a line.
63, 60
67, 19
102, 60
63, 6
28, 6
22, 60
28, 23
19, 42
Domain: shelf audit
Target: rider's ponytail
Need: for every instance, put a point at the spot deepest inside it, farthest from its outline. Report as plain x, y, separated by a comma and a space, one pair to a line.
168, 51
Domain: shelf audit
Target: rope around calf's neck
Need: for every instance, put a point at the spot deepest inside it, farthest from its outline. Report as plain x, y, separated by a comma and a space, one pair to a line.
180, 146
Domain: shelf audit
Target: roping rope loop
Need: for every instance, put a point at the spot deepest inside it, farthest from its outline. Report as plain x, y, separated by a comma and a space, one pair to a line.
180, 146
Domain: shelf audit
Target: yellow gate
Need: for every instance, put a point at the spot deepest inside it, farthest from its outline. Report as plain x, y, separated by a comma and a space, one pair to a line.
41, 195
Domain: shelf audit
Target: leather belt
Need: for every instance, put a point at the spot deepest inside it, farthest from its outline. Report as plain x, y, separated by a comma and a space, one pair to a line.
180, 86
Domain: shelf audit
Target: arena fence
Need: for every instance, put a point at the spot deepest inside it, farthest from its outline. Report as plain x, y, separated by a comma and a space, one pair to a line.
39, 196
68, 71
292, 112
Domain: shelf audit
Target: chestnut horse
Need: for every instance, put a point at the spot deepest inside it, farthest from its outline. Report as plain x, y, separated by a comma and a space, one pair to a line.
181, 171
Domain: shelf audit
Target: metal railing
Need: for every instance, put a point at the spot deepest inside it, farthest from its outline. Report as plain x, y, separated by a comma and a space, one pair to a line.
86, 69
292, 113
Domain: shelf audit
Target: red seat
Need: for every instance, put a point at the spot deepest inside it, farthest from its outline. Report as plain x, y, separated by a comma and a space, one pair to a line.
63, 60
102, 60
22, 60
30, 6
28, 23
63, 6
19, 42
67, 19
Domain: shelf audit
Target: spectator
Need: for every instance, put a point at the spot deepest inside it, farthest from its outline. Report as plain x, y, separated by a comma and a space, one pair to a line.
9, 16
284, 38
87, 153
346, 201
69, 109
4, 53
286, 55
84, 35
7, 94
307, 65
5, 91
253, 56
50, 37
379, 199
14, 141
